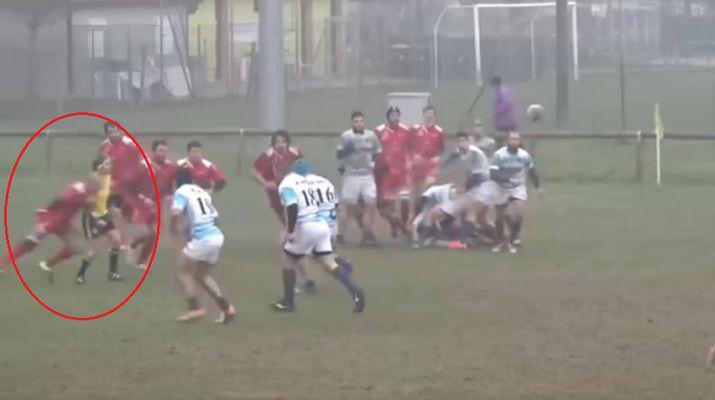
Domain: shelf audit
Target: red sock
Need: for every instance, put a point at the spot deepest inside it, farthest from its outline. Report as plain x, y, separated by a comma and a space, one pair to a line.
65, 253
23, 248
145, 251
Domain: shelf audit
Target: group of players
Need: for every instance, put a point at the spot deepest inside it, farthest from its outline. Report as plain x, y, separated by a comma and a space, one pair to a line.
382, 173
393, 171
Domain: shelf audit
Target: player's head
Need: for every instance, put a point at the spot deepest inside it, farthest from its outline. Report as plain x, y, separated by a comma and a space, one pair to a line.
463, 141
280, 140
478, 128
429, 114
496, 81
160, 149
102, 165
183, 177
194, 151
393, 115
92, 185
357, 118
513, 141
301, 167
112, 132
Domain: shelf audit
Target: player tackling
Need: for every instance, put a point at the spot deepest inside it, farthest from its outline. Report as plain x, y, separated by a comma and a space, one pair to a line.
308, 233
193, 205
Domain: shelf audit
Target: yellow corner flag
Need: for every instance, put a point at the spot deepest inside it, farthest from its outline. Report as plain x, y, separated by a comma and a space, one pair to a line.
659, 129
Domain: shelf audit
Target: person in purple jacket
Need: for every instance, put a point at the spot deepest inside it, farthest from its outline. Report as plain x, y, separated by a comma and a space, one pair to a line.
503, 112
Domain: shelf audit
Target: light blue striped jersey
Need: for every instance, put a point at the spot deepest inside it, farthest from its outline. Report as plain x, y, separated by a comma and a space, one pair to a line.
511, 168
195, 204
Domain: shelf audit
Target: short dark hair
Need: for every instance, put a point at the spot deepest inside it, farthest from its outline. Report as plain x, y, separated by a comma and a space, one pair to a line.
106, 127
183, 177
158, 142
462, 135
192, 144
280, 133
496, 81
428, 108
356, 114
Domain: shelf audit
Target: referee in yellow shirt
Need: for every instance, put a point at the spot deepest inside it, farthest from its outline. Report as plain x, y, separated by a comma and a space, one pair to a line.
97, 224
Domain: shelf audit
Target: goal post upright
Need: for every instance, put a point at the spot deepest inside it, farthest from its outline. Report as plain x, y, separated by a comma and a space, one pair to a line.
476, 8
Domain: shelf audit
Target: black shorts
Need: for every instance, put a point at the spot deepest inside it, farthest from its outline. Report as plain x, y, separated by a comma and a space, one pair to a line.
94, 227
114, 200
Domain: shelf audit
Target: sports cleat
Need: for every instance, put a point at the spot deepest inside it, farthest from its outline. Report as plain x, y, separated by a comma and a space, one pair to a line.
46, 268
114, 277
280, 306
516, 242
416, 245
359, 301
191, 315
80, 280
457, 245
139, 267
511, 249
226, 316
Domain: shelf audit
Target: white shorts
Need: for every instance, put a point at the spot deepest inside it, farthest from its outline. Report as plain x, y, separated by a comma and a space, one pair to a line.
206, 249
505, 195
355, 187
334, 230
452, 207
486, 193
310, 237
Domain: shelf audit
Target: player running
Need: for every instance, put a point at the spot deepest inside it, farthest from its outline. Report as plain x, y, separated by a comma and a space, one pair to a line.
97, 225
56, 219
204, 173
272, 165
125, 158
510, 168
392, 172
192, 205
142, 198
307, 233
357, 152
426, 146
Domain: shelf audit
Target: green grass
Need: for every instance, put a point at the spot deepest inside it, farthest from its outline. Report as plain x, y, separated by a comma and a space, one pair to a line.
611, 297
608, 300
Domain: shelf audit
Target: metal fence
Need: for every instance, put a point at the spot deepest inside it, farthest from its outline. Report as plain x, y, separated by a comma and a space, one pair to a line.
627, 157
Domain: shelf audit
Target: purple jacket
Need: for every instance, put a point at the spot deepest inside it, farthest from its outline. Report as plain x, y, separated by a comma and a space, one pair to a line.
503, 114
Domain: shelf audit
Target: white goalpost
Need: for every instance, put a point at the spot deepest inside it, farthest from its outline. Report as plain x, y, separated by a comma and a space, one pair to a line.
477, 8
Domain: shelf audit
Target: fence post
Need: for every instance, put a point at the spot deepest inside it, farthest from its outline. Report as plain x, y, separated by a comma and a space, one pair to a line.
48, 153
241, 151
639, 157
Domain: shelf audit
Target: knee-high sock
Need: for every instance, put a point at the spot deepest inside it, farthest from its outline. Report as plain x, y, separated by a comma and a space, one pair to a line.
515, 227
113, 260
288, 286
343, 275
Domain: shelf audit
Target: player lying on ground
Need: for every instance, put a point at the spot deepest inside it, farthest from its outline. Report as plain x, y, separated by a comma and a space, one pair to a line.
192, 206
392, 173
269, 169
307, 233
56, 219
511, 166
480, 189
98, 226
357, 152
204, 173
435, 211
